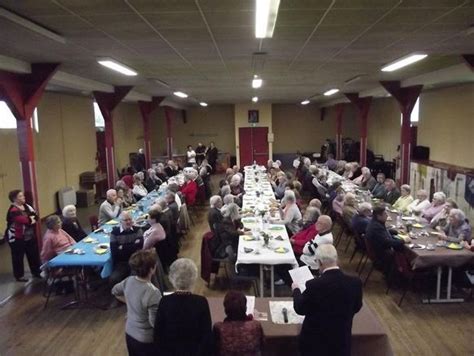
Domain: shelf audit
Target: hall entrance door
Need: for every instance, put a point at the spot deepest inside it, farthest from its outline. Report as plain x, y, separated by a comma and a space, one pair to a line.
253, 145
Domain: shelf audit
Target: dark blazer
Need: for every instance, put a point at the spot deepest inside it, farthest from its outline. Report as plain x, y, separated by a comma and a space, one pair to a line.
378, 191
183, 326
73, 228
391, 196
214, 216
226, 234
329, 304
381, 239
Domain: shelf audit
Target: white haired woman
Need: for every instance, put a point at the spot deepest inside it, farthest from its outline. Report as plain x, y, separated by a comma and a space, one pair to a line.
139, 191
183, 322
405, 199
71, 223
228, 230
458, 229
55, 239
420, 203
367, 180
349, 208
439, 199
290, 213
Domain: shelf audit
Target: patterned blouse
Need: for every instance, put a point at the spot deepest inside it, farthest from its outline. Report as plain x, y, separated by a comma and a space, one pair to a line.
238, 338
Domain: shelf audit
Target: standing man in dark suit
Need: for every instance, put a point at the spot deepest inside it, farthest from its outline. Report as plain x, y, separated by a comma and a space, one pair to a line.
211, 155
329, 304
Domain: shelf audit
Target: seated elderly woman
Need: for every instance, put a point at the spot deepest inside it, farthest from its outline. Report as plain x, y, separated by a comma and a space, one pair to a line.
341, 167
171, 169
315, 203
238, 334
290, 213
183, 321
228, 199
227, 232
280, 185
420, 203
366, 181
405, 199
349, 208
55, 239
152, 181
139, 191
441, 219
308, 230
235, 186
229, 173
225, 190
458, 229
71, 224
174, 188
189, 189
347, 170
214, 215
362, 218
338, 202
126, 196
439, 199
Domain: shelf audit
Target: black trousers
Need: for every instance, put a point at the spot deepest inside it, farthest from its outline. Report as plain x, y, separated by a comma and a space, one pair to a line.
137, 348
121, 271
20, 248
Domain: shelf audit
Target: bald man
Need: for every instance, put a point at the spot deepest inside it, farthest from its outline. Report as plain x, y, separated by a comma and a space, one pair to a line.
324, 236
110, 208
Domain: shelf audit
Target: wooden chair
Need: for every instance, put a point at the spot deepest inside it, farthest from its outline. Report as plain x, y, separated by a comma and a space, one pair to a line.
359, 246
371, 256
94, 222
56, 275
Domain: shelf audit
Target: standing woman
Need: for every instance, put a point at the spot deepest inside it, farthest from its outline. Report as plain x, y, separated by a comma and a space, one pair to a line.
21, 223
191, 156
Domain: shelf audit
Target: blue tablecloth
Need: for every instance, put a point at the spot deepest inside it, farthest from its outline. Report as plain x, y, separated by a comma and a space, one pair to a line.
92, 259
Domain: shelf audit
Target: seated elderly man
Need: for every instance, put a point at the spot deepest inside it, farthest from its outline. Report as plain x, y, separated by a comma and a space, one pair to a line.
110, 208
378, 191
214, 215
170, 199
126, 196
458, 229
362, 218
171, 169
323, 226
331, 163
349, 209
437, 205
391, 192
420, 203
55, 240
71, 224
338, 201
381, 239
405, 199
367, 181
290, 213
174, 187
315, 203
125, 239
170, 225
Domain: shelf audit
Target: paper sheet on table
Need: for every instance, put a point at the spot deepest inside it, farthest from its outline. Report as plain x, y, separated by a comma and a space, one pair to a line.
300, 276
250, 304
276, 311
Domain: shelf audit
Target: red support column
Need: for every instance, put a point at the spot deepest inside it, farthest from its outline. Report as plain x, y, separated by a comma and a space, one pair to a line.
169, 114
107, 102
22, 93
146, 108
406, 98
363, 107
339, 113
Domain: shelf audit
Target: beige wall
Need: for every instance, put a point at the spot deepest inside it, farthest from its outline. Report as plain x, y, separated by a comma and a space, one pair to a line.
241, 120
447, 124
383, 134
350, 123
128, 132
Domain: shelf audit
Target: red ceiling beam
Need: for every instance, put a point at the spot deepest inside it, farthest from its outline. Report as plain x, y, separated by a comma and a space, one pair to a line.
169, 115
146, 108
469, 59
363, 107
22, 93
339, 113
107, 102
406, 98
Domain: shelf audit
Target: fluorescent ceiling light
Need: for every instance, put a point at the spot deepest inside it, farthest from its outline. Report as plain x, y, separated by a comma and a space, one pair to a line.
305, 102
256, 82
403, 62
255, 99
180, 94
30, 25
265, 17
118, 67
331, 92
202, 103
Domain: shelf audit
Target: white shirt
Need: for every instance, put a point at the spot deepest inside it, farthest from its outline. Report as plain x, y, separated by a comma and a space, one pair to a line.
191, 156
310, 247
139, 190
417, 207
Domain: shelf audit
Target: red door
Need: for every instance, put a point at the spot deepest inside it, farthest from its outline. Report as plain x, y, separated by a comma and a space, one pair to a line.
253, 145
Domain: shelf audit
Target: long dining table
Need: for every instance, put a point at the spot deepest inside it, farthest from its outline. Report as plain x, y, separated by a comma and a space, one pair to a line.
257, 202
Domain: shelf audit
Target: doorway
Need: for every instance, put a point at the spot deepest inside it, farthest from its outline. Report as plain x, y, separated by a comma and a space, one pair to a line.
253, 145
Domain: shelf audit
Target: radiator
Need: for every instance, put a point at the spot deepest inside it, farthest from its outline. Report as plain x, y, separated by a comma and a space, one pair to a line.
66, 196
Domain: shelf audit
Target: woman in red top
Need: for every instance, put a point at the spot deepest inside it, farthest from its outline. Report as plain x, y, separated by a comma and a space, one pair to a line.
20, 233
238, 334
189, 190
307, 232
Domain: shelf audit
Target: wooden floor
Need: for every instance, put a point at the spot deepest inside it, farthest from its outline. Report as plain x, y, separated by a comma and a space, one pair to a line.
27, 329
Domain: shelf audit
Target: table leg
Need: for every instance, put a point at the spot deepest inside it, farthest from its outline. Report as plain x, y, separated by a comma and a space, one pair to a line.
80, 283
448, 289
261, 281
272, 282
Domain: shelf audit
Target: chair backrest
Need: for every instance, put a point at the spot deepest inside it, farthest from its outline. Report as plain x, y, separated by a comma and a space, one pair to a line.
94, 222
370, 250
402, 263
